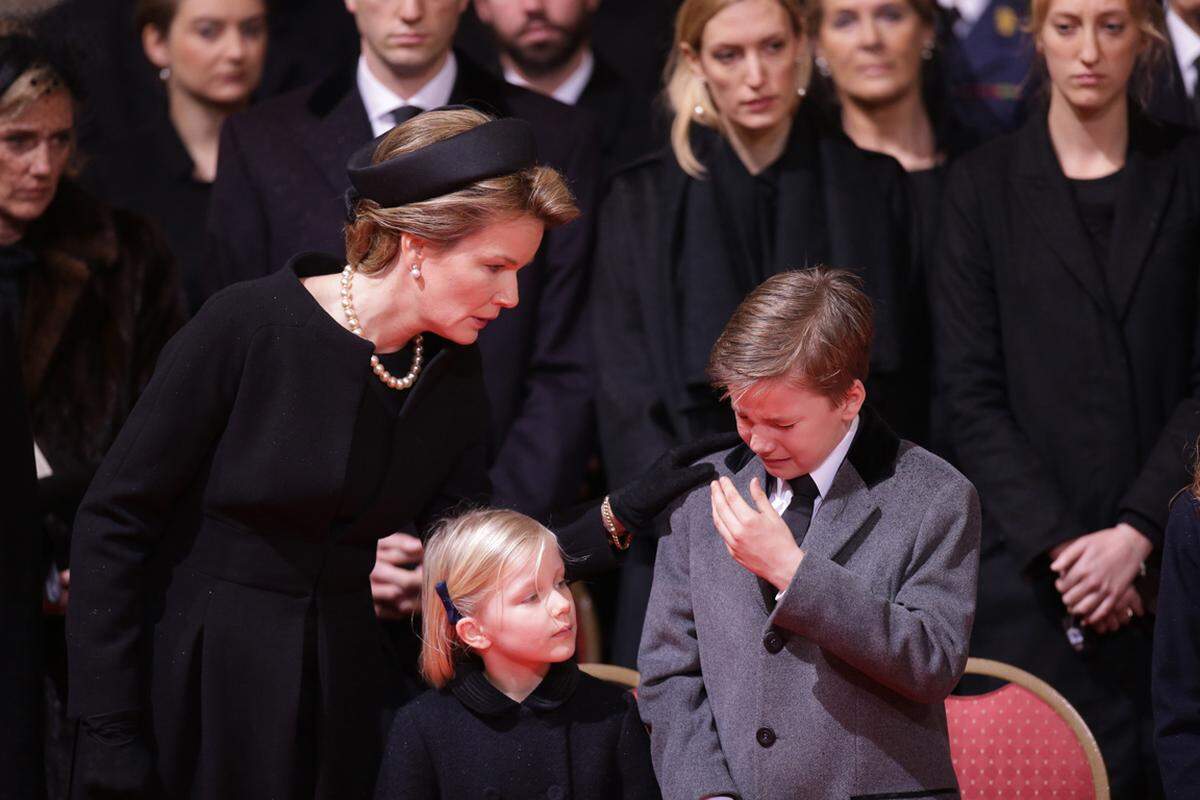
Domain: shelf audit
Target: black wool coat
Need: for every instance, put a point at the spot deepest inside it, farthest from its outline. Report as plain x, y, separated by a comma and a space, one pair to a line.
1177, 654
211, 588
574, 738
1073, 394
642, 402
279, 191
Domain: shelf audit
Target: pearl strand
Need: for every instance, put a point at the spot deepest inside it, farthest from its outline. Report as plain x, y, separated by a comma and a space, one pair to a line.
381, 372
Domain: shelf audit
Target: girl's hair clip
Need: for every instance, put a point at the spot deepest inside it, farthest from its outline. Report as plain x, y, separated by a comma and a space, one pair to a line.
451, 612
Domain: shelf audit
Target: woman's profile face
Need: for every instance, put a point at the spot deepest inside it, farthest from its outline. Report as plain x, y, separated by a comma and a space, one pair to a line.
34, 148
1090, 47
214, 49
748, 59
873, 48
464, 286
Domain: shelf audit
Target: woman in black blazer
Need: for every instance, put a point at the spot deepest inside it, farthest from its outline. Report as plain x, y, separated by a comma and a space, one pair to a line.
223, 640
1068, 329
752, 185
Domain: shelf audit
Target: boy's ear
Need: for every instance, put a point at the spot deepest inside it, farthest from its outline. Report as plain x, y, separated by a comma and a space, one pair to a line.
472, 634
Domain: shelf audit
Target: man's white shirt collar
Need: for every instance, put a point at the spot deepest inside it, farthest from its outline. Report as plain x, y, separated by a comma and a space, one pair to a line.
823, 475
969, 12
572, 88
380, 101
1186, 43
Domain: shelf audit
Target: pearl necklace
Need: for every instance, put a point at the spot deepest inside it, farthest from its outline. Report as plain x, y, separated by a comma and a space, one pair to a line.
381, 372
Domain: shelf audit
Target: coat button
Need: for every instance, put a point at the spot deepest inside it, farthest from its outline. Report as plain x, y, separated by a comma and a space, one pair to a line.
773, 642
765, 737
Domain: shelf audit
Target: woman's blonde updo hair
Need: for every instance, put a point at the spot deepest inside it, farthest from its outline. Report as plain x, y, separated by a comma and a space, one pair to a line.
373, 238
470, 553
1150, 20
685, 92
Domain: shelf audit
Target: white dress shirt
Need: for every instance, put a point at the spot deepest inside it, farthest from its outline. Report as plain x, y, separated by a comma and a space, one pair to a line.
569, 90
969, 12
1186, 43
380, 101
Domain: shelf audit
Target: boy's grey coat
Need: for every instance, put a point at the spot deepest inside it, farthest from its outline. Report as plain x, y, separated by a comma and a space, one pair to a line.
874, 630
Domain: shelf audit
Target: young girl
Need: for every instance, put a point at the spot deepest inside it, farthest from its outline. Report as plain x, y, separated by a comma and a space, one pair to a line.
510, 715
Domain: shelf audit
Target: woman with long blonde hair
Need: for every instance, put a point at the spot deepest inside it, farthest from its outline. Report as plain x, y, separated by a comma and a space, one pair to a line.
751, 185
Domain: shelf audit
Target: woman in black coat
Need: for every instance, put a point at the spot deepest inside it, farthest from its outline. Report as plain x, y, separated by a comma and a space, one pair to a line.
1067, 319
751, 186
223, 639
209, 57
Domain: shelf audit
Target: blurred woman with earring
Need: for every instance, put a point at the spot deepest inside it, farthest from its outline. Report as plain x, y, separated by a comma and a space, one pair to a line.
751, 185
210, 56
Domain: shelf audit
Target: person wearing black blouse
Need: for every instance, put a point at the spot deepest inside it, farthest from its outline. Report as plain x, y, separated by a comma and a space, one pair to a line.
1069, 333
752, 185
222, 637
210, 55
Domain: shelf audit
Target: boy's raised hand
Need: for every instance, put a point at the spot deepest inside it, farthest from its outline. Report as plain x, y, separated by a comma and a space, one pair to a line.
757, 538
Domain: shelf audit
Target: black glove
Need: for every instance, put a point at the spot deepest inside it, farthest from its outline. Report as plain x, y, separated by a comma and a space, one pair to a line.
637, 503
113, 759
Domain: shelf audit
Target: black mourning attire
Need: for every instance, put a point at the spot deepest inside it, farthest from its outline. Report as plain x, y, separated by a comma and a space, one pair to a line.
280, 180
21, 571
574, 738
1073, 389
1168, 100
1177, 653
151, 173
676, 255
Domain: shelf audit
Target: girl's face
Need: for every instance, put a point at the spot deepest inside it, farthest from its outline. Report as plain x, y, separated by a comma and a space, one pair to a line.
873, 48
1090, 47
529, 622
214, 48
748, 59
466, 285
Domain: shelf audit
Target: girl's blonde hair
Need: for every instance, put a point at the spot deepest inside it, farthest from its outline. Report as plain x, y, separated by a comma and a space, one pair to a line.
470, 553
684, 92
373, 238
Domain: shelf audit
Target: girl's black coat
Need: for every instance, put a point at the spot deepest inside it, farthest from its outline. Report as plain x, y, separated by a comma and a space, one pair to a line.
209, 584
575, 738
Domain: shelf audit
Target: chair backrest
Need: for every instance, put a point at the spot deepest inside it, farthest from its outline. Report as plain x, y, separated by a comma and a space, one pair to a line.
1023, 740
613, 674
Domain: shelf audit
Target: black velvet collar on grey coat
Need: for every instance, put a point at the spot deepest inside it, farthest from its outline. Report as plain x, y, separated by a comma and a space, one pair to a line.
872, 453
476, 692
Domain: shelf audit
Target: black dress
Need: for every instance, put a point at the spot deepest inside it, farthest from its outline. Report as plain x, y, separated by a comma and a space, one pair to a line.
151, 173
574, 738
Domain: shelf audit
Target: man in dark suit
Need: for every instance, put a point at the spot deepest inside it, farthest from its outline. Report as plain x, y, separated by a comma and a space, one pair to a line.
1174, 96
545, 45
279, 190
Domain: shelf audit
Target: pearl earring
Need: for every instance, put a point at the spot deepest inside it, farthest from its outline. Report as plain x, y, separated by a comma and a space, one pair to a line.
415, 270
927, 51
164, 74
801, 91
698, 111
822, 65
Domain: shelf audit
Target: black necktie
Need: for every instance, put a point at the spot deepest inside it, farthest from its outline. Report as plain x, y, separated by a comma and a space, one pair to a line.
404, 113
798, 516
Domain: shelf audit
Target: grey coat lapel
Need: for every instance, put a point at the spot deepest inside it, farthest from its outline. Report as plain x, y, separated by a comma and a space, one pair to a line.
849, 508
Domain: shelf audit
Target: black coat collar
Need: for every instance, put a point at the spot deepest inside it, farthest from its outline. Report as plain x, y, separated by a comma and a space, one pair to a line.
476, 692
872, 453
